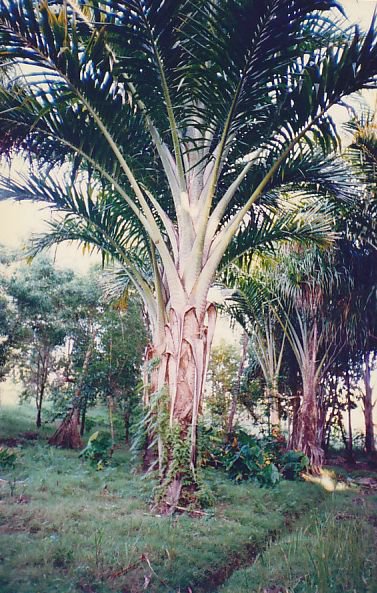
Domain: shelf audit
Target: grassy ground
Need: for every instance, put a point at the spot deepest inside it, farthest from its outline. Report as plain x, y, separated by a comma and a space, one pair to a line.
66, 528
331, 551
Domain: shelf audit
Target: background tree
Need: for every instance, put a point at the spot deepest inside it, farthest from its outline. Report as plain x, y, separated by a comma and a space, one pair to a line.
7, 316
185, 118
115, 368
39, 292
223, 378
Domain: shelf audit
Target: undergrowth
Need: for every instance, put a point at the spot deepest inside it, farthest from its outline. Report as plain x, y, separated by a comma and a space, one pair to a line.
332, 551
67, 528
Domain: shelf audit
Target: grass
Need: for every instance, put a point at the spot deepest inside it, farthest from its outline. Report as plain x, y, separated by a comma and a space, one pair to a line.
66, 528
331, 551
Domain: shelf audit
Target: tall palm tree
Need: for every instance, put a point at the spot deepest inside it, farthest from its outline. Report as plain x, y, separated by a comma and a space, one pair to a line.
296, 290
175, 122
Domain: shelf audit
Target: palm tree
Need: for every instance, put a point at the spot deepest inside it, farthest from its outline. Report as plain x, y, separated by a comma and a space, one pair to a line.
362, 260
296, 290
174, 123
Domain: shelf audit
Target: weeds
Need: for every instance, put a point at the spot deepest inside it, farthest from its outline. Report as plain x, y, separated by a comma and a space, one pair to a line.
84, 530
333, 553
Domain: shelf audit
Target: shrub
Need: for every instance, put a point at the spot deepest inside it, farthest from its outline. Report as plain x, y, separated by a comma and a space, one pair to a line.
293, 463
245, 457
98, 450
7, 458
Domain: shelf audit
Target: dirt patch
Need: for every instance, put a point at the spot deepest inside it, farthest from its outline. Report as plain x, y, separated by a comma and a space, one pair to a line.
10, 442
21, 439
367, 465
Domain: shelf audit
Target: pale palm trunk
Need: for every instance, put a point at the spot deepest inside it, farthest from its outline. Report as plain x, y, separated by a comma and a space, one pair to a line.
274, 409
306, 436
370, 446
179, 367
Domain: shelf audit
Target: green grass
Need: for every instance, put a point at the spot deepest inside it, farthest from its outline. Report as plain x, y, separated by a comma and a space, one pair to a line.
330, 551
66, 528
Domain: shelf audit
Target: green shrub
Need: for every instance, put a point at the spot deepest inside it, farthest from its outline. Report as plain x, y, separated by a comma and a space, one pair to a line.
245, 457
293, 463
98, 450
7, 458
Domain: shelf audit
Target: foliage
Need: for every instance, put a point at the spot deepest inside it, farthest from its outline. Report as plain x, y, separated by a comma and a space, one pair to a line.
42, 296
114, 370
84, 528
222, 377
98, 450
245, 457
8, 323
293, 463
8, 458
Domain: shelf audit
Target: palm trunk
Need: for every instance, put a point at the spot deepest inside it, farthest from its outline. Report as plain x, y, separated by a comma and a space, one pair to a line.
370, 446
180, 373
274, 408
306, 438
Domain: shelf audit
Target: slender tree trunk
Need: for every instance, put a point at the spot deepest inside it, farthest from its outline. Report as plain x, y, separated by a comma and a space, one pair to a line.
237, 387
68, 433
293, 430
126, 421
42, 376
342, 430
370, 446
110, 407
306, 438
83, 416
349, 418
39, 417
326, 434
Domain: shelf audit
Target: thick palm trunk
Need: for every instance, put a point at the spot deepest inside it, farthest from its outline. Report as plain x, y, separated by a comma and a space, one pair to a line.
370, 446
179, 374
307, 430
274, 408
